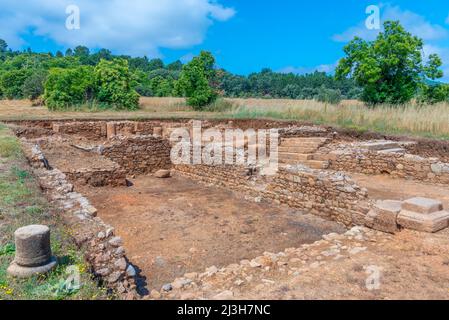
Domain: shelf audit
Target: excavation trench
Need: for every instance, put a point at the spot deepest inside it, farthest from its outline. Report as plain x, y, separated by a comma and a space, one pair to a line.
207, 216
173, 226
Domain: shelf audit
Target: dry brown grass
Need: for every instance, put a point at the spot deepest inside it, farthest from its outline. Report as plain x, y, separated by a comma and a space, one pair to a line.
432, 121
150, 108
429, 120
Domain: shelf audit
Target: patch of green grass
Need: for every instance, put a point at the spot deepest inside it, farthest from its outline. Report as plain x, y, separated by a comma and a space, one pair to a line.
22, 175
7, 249
21, 204
13, 192
34, 210
9, 147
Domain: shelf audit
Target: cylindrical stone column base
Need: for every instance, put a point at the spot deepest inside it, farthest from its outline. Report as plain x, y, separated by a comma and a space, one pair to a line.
33, 252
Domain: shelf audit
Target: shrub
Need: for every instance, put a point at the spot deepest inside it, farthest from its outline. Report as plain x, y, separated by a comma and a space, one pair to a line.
68, 87
433, 93
329, 95
33, 87
11, 83
113, 85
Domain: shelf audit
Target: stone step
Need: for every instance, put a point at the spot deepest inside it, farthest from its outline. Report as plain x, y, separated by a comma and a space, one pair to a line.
295, 156
309, 139
397, 150
422, 205
431, 223
380, 145
301, 144
321, 157
313, 164
297, 149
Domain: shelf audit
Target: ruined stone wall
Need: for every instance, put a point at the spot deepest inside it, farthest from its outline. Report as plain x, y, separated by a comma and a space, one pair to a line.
92, 130
397, 165
331, 195
103, 250
98, 178
139, 154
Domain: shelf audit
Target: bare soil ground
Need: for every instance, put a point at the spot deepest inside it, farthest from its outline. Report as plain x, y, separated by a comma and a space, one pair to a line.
382, 187
64, 156
365, 265
175, 226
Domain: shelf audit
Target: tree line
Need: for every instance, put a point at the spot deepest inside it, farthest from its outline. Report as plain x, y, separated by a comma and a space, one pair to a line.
70, 79
391, 69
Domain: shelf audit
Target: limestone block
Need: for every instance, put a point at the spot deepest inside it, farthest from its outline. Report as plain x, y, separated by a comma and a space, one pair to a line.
110, 130
425, 222
163, 174
380, 145
56, 127
157, 131
422, 205
383, 216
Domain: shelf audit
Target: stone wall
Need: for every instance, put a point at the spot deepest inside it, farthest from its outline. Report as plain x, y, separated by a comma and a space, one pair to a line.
331, 195
98, 177
91, 130
102, 248
139, 154
398, 165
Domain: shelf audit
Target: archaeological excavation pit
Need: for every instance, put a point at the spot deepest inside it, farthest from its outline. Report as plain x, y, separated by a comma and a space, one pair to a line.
205, 216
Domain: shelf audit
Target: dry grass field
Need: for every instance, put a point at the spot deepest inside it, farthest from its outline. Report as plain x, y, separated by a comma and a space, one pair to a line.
428, 121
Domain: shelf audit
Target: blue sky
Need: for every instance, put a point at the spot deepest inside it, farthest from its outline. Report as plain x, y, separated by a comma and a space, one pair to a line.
245, 36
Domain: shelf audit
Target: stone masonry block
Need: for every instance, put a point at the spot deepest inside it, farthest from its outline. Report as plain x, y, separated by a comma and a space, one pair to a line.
430, 222
383, 216
422, 205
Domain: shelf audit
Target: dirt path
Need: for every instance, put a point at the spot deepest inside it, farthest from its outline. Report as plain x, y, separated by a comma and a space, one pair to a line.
175, 226
383, 187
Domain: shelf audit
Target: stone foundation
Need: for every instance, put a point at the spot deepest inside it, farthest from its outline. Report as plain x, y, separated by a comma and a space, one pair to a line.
398, 165
103, 250
139, 154
331, 195
98, 178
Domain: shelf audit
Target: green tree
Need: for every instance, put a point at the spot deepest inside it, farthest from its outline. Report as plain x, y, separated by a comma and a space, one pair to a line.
3, 46
81, 51
113, 82
389, 69
161, 87
329, 95
33, 86
194, 81
155, 64
433, 93
69, 87
175, 66
11, 83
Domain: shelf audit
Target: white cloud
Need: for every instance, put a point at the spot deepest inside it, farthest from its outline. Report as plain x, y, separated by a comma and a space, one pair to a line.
131, 27
412, 22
